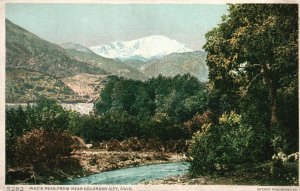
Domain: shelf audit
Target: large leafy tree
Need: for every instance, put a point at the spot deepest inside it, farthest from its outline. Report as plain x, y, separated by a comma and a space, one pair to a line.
253, 69
253, 55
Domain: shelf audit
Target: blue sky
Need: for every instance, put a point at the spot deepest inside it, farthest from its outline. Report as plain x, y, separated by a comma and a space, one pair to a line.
96, 24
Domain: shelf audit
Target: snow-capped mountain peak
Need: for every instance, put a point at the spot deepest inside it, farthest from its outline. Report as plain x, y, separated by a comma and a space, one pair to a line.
141, 49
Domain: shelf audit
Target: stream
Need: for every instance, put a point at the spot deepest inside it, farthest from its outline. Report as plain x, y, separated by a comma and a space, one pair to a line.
133, 175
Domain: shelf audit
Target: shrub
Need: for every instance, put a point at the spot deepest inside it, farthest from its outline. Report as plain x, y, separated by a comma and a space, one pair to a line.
44, 150
193, 125
28, 86
132, 144
48, 114
145, 145
166, 128
39, 88
15, 126
220, 147
285, 167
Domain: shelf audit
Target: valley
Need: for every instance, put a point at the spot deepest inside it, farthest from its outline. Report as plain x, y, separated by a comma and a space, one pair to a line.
70, 72
86, 86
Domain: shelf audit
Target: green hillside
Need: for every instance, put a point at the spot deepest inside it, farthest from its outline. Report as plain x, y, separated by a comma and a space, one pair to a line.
178, 63
112, 66
26, 50
137, 64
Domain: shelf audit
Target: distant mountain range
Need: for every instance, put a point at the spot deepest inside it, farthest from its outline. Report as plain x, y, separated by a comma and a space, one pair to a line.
143, 49
26, 50
116, 67
70, 72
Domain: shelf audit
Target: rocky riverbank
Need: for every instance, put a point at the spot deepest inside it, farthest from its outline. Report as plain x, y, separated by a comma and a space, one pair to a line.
87, 161
186, 179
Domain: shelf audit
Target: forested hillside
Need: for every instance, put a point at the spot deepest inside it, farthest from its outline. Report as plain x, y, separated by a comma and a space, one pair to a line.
23, 85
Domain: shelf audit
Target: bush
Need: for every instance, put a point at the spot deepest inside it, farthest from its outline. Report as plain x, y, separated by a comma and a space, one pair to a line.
145, 145
39, 88
44, 150
132, 144
48, 114
220, 147
193, 125
15, 126
285, 167
28, 86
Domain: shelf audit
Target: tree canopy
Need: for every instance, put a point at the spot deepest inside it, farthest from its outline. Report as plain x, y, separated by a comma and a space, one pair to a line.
252, 57
253, 54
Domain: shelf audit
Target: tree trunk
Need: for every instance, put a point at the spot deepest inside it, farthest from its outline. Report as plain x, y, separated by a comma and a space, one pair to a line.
272, 95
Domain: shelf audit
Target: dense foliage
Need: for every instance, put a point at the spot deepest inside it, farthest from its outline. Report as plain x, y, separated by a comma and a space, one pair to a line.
45, 151
226, 145
253, 99
156, 108
46, 114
